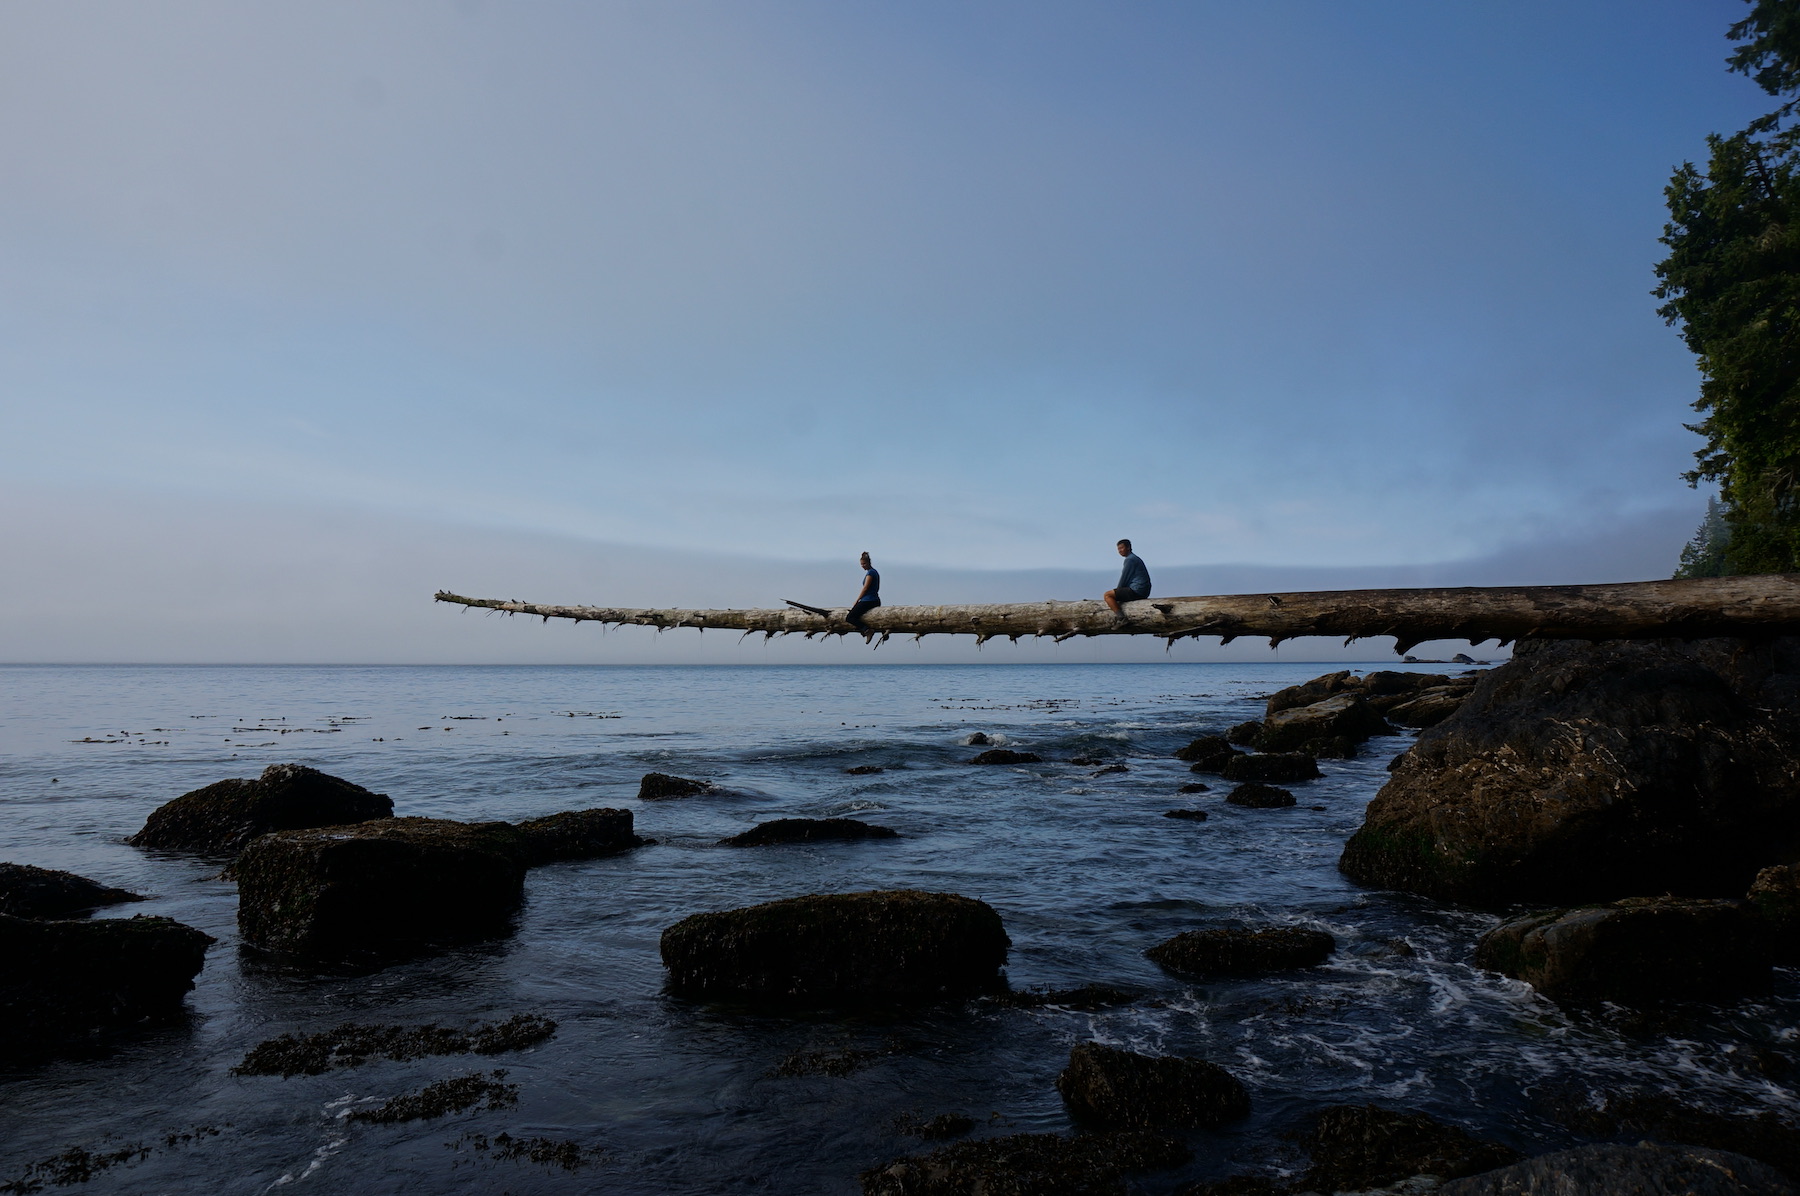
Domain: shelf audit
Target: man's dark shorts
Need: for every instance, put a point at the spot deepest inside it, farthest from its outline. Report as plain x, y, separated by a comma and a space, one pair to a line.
1125, 595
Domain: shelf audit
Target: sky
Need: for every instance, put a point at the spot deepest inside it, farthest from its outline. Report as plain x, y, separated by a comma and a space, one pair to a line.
313, 309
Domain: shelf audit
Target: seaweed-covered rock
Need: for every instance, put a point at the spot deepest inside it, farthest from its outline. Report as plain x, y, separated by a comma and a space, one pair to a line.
1007, 756
65, 979
807, 830
1234, 952
1209, 753
1776, 896
1188, 815
1246, 732
1027, 1165
1123, 1089
1358, 1147
1343, 715
380, 888
1587, 772
1766, 1136
884, 945
1259, 797
222, 817
30, 892
1272, 767
1639, 949
578, 835
1645, 1169
660, 786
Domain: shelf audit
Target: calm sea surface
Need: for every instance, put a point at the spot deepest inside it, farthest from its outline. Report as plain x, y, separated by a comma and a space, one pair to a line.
681, 1097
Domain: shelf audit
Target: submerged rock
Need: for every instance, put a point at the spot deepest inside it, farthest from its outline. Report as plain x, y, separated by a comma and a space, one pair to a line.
1640, 949
1775, 894
1259, 797
1027, 1165
977, 739
884, 945
1087, 997
1583, 772
1358, 1147
578, 835
660, 786
1273, 767
1007, 756
1194, 787
62, 980
224, 816
1125, 1090
30, 892
1645, 1169
807, 830
1234, 952
1189, 815
352, 1044
866, 770
380, 888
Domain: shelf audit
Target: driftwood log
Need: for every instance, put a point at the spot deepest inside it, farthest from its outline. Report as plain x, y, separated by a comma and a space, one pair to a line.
1761, 605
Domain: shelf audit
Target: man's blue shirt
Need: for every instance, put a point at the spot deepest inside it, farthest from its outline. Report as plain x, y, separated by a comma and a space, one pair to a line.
1134, 576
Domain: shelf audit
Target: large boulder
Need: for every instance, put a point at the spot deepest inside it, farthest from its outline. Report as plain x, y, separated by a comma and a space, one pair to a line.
1775, 894
380, 888
30, 892
1027, 1165
1582, 772
1125, 1090
1358, 1147
224, 816
1639, 949
1383, 690
66, 979
892, 945
1645, 1169
1230, 951
1272, 767
578, 835
1342, 716
807, 830
1208, 753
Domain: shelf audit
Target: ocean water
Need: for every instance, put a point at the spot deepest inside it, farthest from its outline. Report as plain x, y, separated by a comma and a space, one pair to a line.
678, 1097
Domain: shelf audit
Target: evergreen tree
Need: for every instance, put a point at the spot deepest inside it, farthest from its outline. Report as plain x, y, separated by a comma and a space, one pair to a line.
1732, 283
1704, 555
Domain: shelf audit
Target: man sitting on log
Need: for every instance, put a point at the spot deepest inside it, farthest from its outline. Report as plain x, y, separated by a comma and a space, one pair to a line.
868, 598
1134, 580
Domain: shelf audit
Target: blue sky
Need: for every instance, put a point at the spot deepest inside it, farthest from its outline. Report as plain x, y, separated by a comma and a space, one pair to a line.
975, 286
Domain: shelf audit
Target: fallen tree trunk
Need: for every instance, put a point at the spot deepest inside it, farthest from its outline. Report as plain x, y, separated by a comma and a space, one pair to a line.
1761, 605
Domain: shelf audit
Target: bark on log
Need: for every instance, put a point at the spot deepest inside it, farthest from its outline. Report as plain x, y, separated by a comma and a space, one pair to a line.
1761, 605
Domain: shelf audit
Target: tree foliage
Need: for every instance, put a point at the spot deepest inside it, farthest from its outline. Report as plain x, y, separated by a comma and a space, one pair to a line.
1731, 283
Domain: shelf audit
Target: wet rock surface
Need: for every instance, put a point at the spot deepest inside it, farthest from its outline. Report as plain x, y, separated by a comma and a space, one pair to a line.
64, 980
807, 830
578, 835
1209, 753
660, 786
1640, 949
443, 1097
1765, 1136
1342, 717
1357, 1147
31, 892
1775, 894
1272, 767
382, 888
893, 945
223, 817
1238, 952
1257, 796
1582, 772
1007, 756
1644, 1169
352, 1044
1027, 1165
1106, 1085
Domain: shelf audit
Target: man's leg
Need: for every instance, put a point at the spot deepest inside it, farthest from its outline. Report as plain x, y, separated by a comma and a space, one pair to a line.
1111, 598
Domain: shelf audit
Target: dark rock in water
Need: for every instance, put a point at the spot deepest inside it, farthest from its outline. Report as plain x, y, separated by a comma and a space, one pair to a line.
1112, 768
1344, 716
1766, 1136
1087, 997
63, 980
445, 1096
1194, 787
221, 818
807, 830
352, 1044
1259, 797
1335, 747
865, 770
1123, 1089
1245, 733
1357, 1147
660, 786
1210, 750
1006, 756
1582, 772
380, 888
978, 739
1232, 952
29, 892
935, 1129
879, 946
1027, 1165
1645, 1169
578, 835
1231, 1185
1189, 815
1639, 949
1775, 894
1273, 767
